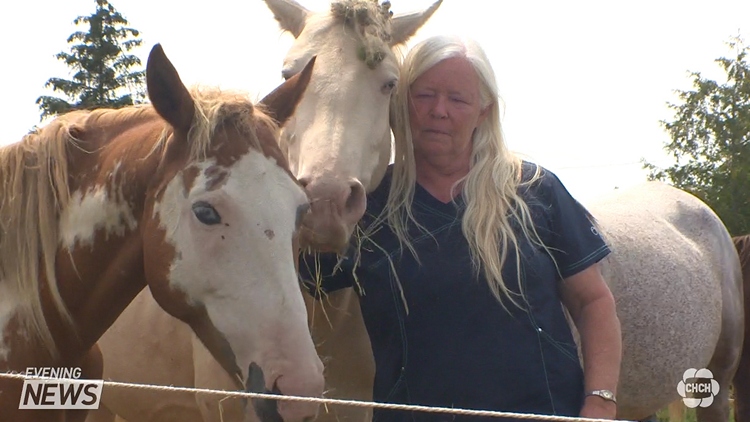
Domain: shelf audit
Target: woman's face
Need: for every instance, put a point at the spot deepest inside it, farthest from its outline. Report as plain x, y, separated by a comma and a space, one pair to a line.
445, 108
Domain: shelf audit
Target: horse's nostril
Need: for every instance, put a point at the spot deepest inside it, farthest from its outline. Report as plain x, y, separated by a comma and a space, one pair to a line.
304, 181
255, 382
356, 197
276, 389
302, 210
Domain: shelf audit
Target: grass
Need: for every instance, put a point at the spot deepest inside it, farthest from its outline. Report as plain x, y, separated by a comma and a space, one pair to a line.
688, 414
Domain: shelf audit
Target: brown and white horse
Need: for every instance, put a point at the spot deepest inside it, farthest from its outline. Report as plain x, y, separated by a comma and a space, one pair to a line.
338, 144
189, 196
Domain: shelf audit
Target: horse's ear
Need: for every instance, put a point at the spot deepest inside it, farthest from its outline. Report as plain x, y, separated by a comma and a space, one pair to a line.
290, 14
407, 24
282, 101
166, 91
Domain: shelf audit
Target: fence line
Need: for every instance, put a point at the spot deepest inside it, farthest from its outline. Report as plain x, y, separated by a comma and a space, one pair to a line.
355, 403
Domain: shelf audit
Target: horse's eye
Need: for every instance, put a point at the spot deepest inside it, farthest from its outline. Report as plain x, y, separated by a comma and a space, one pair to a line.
388, 86
205, 213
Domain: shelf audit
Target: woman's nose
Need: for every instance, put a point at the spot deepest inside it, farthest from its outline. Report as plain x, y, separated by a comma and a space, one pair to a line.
439, 109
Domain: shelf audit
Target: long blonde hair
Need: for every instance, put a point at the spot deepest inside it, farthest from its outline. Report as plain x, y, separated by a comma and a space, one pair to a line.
490, 187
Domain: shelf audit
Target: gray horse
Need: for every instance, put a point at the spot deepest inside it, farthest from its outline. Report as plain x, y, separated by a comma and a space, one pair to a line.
675, 275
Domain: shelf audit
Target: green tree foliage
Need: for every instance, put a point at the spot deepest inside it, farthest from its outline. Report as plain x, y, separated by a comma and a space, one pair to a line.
711, 141
103, 74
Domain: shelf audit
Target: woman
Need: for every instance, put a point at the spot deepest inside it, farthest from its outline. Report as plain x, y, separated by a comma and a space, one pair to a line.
468, 255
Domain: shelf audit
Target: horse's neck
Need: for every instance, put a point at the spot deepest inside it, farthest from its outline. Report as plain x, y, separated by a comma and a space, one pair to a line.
104, 289
100, 260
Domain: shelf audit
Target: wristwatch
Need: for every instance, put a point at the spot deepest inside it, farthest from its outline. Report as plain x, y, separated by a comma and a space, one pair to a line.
605, 394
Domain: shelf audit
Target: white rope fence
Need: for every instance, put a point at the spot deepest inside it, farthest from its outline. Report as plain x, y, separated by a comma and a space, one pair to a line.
355, 403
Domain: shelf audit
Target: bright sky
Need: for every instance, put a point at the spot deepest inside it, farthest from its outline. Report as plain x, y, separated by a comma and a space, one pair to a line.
584, 83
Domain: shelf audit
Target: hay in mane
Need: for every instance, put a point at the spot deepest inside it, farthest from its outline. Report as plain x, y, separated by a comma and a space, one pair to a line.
371, 22
34, 191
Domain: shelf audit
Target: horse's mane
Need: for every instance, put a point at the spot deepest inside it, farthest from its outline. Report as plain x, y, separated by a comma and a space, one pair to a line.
34, 190
214, 107
371, 23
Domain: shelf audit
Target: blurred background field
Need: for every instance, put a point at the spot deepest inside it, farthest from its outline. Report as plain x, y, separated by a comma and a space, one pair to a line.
678, 412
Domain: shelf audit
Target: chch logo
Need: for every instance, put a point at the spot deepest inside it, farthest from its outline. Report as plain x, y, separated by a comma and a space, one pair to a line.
698, 388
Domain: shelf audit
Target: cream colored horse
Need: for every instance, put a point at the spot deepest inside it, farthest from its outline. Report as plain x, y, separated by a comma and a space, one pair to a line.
337, 141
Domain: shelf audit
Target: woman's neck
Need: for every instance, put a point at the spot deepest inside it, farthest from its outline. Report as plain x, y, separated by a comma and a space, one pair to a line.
439, 178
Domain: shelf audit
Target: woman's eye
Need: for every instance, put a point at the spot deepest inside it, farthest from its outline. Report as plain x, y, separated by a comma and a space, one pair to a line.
205, 213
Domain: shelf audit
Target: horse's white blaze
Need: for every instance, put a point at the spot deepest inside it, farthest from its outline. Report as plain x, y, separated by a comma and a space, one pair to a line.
93, 210
340, 127
242, 270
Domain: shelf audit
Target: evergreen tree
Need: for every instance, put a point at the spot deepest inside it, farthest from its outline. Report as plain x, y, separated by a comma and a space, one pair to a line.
103, 74
711, 141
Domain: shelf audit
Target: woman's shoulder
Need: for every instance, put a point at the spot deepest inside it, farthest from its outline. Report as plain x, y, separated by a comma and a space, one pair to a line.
538, 180
542, 187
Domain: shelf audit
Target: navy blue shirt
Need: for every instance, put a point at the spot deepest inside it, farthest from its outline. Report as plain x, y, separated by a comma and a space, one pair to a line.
457, 346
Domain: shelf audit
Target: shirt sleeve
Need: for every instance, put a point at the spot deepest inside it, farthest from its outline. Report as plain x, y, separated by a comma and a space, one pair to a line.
575, 241
324, 273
